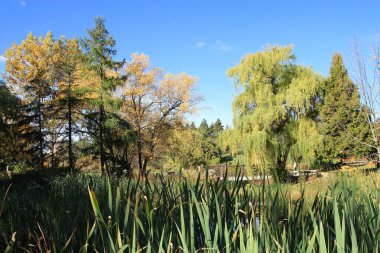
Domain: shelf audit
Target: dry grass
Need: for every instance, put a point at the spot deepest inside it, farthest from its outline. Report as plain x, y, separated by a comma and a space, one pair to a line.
319, 186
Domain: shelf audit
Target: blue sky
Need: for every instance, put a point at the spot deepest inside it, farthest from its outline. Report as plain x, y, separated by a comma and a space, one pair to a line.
203, 37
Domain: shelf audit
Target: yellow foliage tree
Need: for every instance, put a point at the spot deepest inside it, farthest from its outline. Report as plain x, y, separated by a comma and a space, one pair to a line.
154, 104
72, 82
185, 147
30, 73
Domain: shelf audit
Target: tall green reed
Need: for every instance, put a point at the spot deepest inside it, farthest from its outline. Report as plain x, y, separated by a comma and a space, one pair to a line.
82, 213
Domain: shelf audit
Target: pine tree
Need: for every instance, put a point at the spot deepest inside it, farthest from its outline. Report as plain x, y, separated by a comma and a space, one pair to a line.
218, 127
99, 52
192, 125
204, 128
208, 144
342, 121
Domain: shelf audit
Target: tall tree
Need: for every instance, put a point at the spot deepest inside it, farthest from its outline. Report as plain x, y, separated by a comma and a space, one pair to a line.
218, 127
70, 77
273, 112
99, 50
203, 128
342, 118
367, 76
29, 72
192, 125
154, 105
9, 143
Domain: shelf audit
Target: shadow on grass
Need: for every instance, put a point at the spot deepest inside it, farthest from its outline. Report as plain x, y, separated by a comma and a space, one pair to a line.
41, 177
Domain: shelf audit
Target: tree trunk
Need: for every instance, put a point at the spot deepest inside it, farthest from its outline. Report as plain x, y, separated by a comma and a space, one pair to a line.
113, 160
41, 138
71, 158
145, 164
101, 128
144, 168
52, 165
280, 171
140, 158
101, 145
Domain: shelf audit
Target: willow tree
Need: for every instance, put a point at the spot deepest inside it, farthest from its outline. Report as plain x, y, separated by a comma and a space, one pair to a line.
367, 76
274, 110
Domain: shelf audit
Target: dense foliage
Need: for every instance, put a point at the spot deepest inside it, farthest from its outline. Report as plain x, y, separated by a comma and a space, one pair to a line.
72, 103
80, 107
190, 146
343, 123
119, 215
274, 110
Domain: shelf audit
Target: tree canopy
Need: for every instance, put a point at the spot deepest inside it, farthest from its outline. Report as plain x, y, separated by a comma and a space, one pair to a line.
274, 110
69, 102
153, 104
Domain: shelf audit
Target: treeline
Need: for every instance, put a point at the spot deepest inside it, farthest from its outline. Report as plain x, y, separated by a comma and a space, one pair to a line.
69, 102
191, 146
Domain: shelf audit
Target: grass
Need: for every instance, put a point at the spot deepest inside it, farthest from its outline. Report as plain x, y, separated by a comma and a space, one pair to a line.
366, 183
89, 213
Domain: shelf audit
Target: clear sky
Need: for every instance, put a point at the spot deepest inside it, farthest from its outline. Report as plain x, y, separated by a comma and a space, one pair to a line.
202, 37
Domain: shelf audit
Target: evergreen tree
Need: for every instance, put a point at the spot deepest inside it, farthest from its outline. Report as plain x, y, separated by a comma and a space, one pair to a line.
342, 121
209, 148
218, 127
99, 52
18, 142
192, 126
204, 128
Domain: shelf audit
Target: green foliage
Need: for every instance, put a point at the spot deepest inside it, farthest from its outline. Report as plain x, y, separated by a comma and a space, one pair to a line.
129, 216
203, 128
70, 89
184, 148
275, 106
190, 146
17, 146
99, 50
211, 150
343, 122
217, 126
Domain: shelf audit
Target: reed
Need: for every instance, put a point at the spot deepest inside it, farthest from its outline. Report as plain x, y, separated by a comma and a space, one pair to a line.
88, 213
